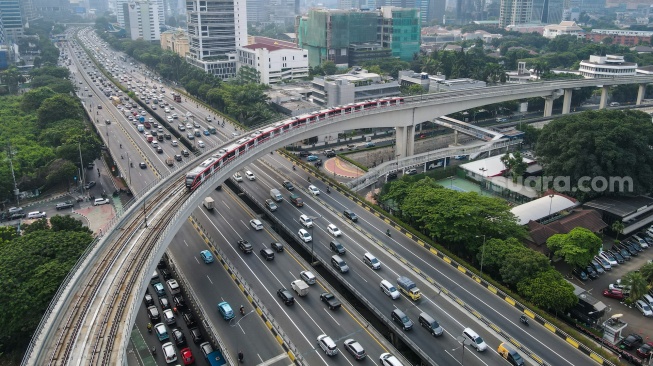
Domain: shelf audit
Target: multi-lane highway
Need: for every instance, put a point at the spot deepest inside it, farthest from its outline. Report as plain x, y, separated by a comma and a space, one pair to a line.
309, 317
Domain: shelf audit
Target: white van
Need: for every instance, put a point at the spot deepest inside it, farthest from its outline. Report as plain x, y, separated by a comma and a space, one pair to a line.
389, 290
476, 340
173, 286
306, 221
371, 261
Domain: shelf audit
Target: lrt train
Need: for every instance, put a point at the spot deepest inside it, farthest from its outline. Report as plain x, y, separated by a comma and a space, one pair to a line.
215, 162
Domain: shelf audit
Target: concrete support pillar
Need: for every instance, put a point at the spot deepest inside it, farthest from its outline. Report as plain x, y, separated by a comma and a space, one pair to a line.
566, 101
410, 141
548, 106
604, 97
455, 137
400, 140
640, 93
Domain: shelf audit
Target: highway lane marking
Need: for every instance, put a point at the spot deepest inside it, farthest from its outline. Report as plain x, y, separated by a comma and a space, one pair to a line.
185, 242
197, 260
272, 360
326, 310
246, 226
209, 278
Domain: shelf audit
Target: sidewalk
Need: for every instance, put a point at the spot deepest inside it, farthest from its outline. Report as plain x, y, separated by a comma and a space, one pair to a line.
97, 217
342, 168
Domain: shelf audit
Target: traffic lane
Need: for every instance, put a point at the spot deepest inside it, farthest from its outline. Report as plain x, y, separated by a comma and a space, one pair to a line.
362, 277
538, 339
212, 285
268, 277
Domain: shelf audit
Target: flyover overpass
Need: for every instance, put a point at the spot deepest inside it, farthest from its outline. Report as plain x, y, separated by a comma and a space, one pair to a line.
90, 318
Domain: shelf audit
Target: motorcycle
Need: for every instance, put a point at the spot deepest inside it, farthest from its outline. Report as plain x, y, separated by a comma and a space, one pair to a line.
294, 168
524, 319
153, 350
241, 357
387, 232
242, 310
328, 190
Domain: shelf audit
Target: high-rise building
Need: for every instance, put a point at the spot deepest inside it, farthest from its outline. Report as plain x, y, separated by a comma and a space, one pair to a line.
120, 12
257, 11
400, 31
515, 12
547, 11
12, 19
215, 29
3, 39
142, 20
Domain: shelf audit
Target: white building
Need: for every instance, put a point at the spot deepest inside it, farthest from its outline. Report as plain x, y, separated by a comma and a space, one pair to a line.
216, 28
142, 20
273, 63
608, 66
356, 86
564, 28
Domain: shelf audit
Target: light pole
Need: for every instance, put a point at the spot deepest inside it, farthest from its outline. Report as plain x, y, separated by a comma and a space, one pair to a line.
313, 218
482, 252
551, 203
483, 170
463, 342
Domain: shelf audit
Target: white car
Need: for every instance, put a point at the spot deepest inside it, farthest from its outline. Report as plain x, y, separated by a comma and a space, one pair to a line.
388, 359
175, 143
313, 189
644, 308
305, 236
238, 177
100, 201
36, 215
250, 175
256, 224
333, 229
200, 143
306, 221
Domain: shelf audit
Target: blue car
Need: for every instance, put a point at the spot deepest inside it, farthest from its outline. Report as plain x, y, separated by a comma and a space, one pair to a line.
225, 310
312, 158
206, 132
207, 256
159, 289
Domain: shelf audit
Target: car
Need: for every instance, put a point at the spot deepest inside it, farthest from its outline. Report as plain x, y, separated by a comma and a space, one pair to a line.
327, 345
250, 175
304, 236
392, 175
645, 350
201, 144
591, 272
256, 224
277, 247
388, 359
36, 215
178, 337
159, 150
339, 264
207, 256
64, 205
100, 201
238, 177
306, 221
181, 127
190, 136
153, 313
185, 153
335, 246
313, 190
165, 304
245, 246
355, 349
370, 144
196, 335
206, 132
614, 293
402, 319
333, 230
412, 171
580, 274
604, 263
287, 185
631, 341
267, 254
619, 286
271, 205
617, 255
187, 356
148, 299
644, 308
597, 267
90, 185
189, 319
169, 352
389, 289
621, 251
286, 296
308, 277
142, 165
312, 158
350, 215
330, 299
226, 311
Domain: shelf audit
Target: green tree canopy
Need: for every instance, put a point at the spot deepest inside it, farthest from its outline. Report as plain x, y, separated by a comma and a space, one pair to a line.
577, 247
32, 99
549, 290
57, 108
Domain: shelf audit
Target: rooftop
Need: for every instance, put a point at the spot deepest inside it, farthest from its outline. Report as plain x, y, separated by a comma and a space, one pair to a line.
588, 219
269, 47
491, 166
620, 206
542, 207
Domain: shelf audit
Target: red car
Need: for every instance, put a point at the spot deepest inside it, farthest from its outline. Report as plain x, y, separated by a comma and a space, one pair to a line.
614, 293
645, 350
187, 356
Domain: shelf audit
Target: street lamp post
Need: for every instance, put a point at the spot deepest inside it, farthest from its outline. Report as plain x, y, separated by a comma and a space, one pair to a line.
483, 170
482, 253
463, 342
313, 218
551, 203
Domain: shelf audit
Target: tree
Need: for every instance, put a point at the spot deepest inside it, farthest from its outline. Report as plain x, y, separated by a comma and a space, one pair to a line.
57, 108
40, 224
637, 283
523, 264
531, 133
618, 227
413, 89
647, 273
577, 247
68, 223
549, 290
514, 164
329, 67
592, 150
32, 99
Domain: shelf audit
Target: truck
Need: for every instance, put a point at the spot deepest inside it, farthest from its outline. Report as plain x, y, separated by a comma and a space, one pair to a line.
208, 203
300, 287
176, 97
409, 288
276, 195
169, 161
296, 200
115, 100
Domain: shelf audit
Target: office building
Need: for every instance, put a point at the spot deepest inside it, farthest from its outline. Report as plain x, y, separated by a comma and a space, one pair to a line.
257, 11
216, 28
359, 54
272, 63
564, 28
176, 41
515, 12
120, 12
547, 11
356, 86
142, 20
12, 19
400, 31
608, 66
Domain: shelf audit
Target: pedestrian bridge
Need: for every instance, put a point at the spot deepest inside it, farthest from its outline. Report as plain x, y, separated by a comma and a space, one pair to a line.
91, 315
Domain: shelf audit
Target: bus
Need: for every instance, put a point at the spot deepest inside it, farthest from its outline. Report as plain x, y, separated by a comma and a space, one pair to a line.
176, 97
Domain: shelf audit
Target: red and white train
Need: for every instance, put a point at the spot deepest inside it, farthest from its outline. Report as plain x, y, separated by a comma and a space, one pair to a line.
200, 173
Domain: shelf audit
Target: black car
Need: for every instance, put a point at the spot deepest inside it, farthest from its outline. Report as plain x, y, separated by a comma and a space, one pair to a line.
591, 272
287, 185
178, 337
189, 319
178, 157
142, 165
580, 274
632, 341
286, 296
350, 215
179, 302
402, 319
629, 248
165, 304
90, 185
149, 301
623, 252
245, 246
196, 335
267, 253
165, 273
162, 264
392, 175
335, 246
617, 255
278, 247
303, 154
